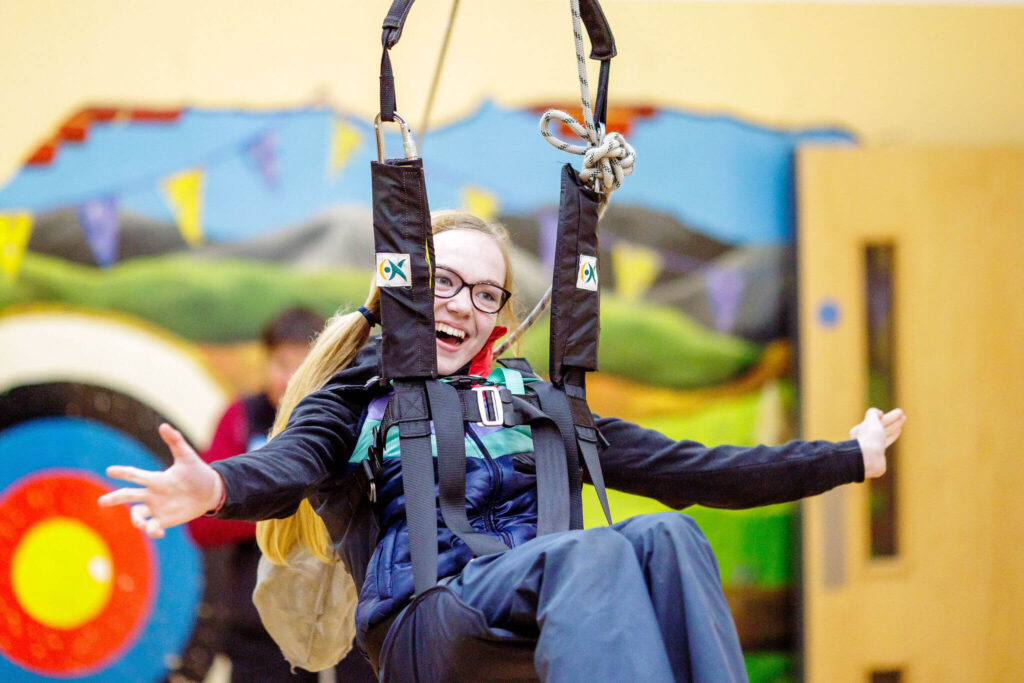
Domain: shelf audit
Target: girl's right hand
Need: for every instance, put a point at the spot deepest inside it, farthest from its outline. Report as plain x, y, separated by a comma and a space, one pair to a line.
187, 489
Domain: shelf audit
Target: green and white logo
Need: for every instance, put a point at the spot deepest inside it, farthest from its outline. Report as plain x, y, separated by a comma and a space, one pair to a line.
393, 270
586, 274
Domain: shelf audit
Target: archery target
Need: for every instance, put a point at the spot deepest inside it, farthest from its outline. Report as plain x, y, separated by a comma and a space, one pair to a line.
84, 594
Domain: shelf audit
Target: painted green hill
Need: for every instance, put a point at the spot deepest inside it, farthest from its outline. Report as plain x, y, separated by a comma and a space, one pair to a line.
228, 301
655, 345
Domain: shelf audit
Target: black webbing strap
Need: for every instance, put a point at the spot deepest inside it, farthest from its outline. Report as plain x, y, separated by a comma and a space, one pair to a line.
393, 24
601, 102
449, 432
413, 418
388, 103
587, 440
586, 433
554, 403
553, 509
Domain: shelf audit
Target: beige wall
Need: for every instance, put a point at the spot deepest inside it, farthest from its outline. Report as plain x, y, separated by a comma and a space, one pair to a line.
890, 73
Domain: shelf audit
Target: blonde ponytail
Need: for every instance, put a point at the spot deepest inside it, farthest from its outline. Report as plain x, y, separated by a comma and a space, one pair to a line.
335, 348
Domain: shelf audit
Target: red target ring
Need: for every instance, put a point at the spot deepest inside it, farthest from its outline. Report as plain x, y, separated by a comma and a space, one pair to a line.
76, 580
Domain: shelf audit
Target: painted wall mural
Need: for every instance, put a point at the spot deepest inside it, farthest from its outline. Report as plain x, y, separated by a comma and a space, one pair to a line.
142, 251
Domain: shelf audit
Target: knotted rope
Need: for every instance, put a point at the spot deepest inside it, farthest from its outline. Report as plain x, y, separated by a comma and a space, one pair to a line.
607, 159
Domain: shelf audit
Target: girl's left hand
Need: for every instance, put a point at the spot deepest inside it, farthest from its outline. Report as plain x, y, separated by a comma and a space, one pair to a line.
876, 433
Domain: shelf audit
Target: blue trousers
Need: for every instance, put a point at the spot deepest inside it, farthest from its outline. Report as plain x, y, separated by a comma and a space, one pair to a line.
638, 601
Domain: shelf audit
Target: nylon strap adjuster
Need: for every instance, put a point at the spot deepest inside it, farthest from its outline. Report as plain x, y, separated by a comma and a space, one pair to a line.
488, 400
371, 491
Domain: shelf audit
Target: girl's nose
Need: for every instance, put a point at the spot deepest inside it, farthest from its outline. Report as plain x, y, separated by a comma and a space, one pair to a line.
461, 302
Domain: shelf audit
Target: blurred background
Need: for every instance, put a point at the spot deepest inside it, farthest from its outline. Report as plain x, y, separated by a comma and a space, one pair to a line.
826, 213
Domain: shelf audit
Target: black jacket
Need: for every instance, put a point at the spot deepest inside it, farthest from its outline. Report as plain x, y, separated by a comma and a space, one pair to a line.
311, 458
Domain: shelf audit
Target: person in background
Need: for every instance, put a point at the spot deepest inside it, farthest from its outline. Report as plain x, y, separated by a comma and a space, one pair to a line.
244, 427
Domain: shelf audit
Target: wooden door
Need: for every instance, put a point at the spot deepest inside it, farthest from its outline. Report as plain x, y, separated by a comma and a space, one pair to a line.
911, 281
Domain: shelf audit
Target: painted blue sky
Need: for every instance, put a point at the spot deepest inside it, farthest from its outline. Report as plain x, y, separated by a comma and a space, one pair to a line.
729, 179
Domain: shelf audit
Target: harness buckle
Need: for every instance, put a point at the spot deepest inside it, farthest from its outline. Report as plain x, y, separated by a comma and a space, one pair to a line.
489, 407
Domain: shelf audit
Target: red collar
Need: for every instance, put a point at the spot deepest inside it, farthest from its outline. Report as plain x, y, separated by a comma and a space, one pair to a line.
484, 359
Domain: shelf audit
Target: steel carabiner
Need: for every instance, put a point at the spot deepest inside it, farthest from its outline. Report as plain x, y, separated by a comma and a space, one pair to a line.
408, 144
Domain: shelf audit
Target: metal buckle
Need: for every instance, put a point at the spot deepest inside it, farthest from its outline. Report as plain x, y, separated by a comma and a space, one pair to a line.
481, 401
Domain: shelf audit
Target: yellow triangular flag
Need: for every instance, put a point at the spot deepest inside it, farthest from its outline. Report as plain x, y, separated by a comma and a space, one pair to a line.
15, 229
344, 142
636, 267
184, 192
480, 202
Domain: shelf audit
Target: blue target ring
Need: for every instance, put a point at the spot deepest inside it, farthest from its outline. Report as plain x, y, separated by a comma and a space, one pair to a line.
65, 444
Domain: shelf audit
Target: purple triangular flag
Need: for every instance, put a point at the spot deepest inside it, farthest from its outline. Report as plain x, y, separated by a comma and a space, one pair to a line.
548, 219
262, 154
725, 294
102, 229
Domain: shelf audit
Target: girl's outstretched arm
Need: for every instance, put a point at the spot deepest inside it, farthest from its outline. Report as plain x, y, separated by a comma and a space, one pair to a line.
682, 473
185, 490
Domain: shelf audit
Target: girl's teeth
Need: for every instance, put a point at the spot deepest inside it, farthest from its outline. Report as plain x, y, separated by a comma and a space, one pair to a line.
441, 327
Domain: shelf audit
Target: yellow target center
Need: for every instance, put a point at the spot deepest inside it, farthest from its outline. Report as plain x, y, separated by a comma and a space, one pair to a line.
62, 573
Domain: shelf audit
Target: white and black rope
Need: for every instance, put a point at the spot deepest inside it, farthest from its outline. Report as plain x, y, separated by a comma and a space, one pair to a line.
607, 159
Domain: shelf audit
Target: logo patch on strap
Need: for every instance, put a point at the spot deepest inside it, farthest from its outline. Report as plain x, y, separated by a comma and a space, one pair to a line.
586, 274
393, 270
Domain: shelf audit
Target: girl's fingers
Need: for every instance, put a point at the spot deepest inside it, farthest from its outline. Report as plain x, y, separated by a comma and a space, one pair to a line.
139, 514
175, 442
131, 474
121, 496
893, 416
153, 529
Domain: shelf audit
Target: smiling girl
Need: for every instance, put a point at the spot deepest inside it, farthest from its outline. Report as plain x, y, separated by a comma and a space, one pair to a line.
639, 600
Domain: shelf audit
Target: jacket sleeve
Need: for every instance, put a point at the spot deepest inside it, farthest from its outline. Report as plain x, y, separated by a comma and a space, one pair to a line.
228, 440
682, 473
271, 481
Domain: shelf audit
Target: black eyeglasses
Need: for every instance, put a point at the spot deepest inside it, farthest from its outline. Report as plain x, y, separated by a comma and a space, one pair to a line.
487, 297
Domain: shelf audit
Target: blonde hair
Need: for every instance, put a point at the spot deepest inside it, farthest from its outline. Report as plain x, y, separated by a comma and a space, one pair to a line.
334, 349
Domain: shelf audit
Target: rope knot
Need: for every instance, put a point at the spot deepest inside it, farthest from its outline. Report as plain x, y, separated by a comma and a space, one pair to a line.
605, 163
611, 161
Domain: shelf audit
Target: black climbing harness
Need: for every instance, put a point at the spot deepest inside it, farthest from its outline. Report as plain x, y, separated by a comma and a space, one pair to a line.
565, 436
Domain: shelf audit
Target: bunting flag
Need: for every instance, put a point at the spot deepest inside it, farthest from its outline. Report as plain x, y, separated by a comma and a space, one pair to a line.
345, 141
184, 192
102, 228
725, 288
636, 267
480, 202
15, 228
262, 154
548, 221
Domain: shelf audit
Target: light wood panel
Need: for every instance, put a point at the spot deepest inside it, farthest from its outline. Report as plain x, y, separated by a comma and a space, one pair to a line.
949, 606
